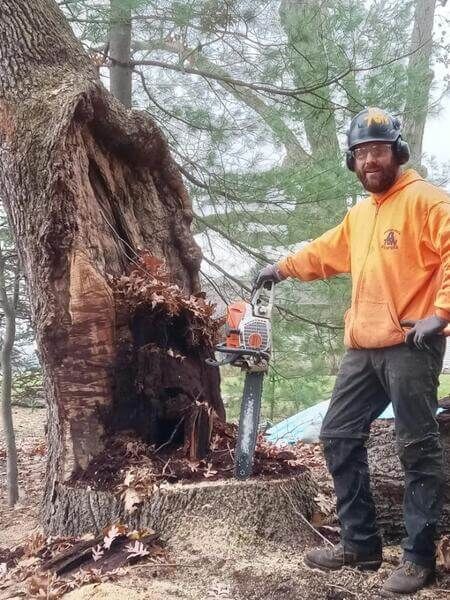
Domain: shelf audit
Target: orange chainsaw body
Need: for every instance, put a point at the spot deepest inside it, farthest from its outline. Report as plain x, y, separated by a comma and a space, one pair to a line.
244, 330
235, 313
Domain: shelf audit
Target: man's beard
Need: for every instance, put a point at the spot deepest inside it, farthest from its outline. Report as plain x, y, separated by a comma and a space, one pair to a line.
380, 181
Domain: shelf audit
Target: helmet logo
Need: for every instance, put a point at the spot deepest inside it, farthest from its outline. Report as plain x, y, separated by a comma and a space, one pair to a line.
376, 117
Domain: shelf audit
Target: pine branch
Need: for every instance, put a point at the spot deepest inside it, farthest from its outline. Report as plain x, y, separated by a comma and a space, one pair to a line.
266, 88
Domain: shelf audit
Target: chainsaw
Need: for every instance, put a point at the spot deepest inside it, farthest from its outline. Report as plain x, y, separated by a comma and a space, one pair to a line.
248, 345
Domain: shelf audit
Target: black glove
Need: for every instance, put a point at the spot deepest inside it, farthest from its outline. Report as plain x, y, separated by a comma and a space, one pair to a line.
422, 330
269, 273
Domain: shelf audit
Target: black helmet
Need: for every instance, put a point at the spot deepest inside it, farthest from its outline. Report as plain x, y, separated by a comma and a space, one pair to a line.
372, 125
375, 125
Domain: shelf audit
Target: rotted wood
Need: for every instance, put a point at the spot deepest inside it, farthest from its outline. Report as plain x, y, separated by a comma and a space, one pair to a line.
81, 555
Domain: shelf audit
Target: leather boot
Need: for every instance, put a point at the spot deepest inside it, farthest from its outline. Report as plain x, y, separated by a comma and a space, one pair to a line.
408, 578
333, 558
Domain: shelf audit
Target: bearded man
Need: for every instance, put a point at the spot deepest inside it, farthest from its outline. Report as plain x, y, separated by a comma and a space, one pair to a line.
396, 245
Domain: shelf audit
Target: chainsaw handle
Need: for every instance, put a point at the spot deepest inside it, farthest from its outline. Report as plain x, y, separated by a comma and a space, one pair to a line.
233, 355
219, 363
256, 289
269, 287
237, 352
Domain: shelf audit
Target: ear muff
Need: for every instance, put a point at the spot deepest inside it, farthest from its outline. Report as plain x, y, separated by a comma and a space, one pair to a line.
401, 151
350, 160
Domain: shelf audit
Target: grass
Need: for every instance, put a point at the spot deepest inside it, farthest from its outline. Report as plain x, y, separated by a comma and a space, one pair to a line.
444, 385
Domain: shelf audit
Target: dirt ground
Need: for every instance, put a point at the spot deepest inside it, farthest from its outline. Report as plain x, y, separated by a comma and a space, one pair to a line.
203, 564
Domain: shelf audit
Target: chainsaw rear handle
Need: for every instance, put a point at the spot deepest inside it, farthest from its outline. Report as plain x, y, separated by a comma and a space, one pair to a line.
256, 289
255, 299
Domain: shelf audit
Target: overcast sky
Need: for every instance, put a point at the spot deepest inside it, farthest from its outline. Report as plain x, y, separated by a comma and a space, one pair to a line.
436, 141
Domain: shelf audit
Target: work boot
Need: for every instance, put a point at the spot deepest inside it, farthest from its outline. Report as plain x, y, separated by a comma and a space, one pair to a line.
408, 578
333, 558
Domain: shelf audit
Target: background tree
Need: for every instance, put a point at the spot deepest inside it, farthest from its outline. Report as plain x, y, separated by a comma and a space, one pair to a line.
10, 276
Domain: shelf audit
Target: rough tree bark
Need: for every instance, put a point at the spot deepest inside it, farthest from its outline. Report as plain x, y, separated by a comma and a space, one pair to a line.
87, 183
388, 479
420, 77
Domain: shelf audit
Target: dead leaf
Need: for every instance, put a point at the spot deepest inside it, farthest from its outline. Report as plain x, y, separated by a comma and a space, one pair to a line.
215, 442
129, 477
209, 471
34, 544
141, 533
111, 535
136, 550
97, 552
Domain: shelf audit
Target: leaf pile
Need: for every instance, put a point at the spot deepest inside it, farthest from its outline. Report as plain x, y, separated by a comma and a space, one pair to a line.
147, 287
51, 567
133, 468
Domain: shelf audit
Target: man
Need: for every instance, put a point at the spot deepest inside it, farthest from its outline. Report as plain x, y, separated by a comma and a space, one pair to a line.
396, 245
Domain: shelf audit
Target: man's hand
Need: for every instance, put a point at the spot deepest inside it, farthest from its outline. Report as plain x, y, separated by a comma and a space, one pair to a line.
422, 330
269, 273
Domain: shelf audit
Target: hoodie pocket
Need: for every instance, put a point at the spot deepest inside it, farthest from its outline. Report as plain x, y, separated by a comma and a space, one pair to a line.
373, 325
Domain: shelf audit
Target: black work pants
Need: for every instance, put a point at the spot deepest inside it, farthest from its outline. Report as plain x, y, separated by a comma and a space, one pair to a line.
367, 381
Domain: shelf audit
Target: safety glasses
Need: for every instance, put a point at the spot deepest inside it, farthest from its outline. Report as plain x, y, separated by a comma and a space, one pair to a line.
375, 150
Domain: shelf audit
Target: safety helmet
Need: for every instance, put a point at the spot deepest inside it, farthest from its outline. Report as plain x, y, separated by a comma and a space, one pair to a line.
375, 125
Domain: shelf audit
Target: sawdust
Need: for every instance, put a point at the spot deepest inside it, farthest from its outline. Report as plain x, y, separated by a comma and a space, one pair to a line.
110, 591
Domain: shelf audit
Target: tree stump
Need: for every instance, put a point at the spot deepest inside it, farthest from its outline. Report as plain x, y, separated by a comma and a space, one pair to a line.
274, 509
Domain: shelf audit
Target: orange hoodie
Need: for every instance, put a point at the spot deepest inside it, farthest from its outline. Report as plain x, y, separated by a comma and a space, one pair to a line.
397, 248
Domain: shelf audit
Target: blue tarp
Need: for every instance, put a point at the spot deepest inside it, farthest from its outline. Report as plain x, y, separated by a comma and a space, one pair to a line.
305, 425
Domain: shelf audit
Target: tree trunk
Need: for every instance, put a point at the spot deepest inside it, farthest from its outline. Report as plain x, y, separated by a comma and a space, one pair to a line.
420, 77
9, 308
388, 482
87, 184
304, 24
120, 51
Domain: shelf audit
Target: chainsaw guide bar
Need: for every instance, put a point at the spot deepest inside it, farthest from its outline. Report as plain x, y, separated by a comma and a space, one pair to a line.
248, 345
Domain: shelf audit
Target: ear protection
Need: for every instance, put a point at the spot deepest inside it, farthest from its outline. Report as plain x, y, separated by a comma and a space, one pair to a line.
400, 150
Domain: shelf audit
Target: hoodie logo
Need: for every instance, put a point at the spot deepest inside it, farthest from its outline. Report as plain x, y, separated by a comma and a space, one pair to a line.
390, 241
